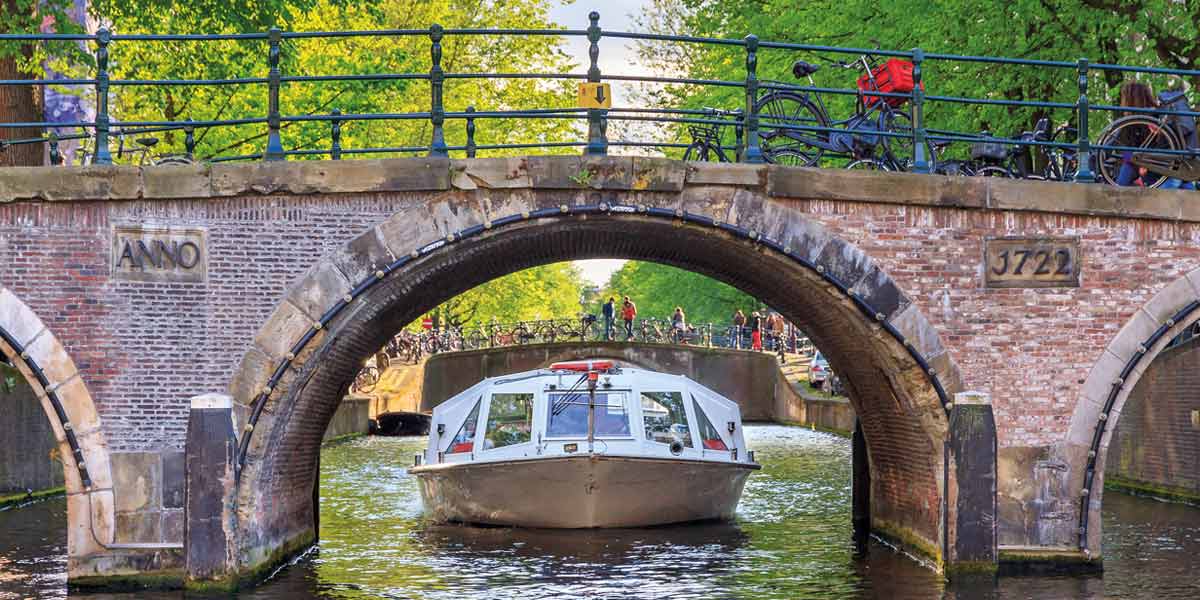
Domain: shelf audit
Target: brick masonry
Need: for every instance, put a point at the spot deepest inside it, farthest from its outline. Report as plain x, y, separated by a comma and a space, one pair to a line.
1156, 445
144, 348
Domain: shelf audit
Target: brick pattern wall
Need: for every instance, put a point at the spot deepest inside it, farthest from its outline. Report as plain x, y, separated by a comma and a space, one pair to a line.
145, 348
1157, 441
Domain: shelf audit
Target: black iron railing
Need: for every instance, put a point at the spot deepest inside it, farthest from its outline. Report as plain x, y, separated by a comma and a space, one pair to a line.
100, 131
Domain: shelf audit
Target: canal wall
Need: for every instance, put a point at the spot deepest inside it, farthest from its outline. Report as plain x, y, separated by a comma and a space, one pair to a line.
749, 378
28, 456
1156, 445
796, 404
351, 418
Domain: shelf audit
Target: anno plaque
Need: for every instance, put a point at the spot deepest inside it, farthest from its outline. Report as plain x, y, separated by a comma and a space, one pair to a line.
1031, 262
159, 254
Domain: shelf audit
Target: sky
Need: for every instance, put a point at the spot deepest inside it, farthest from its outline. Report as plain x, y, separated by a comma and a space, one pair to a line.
616, 56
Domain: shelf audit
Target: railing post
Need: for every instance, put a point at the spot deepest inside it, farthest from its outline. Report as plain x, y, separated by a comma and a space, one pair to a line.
189, 141
55, 155
437, 112
597, 144
470, 132
1083, 170
335, 136
753, 152
920, 159
101, 155
274, 149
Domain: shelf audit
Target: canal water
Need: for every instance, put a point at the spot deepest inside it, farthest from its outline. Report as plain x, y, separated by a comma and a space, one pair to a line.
791, 540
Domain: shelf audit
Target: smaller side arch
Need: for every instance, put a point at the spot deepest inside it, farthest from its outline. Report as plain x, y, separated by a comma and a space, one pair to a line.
38, 355
1108, 385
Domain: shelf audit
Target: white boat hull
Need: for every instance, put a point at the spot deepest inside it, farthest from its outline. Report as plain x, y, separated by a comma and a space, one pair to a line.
582, 491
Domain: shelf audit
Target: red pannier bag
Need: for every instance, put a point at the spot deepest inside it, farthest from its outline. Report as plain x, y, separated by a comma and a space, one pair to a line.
893, 76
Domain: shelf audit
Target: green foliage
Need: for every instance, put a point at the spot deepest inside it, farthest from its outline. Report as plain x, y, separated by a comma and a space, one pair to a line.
27, 16
1158, 33
545, 292
326, 56
657, 289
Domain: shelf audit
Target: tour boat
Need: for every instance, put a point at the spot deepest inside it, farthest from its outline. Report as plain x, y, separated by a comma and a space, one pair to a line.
584, 444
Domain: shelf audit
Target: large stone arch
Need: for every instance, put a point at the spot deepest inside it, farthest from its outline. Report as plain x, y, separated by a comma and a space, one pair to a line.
1112, 378
898, 373
40, 357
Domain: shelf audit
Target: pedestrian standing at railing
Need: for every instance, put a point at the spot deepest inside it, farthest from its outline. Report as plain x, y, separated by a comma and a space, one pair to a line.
739, 322
628, 313
756, 329
609, 311
1135, 94
679, 324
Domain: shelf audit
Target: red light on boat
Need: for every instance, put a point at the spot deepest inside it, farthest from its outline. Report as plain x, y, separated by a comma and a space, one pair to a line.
582, 366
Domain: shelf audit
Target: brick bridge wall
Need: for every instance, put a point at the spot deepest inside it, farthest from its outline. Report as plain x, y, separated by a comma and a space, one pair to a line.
143, 348
1156, 446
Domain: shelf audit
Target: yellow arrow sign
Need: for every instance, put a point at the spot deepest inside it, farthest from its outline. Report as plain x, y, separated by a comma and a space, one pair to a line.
595, 95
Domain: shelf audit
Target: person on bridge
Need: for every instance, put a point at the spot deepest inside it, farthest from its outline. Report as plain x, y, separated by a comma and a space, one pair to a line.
1135, 94
628, 312
756, 330
739, 324
609, 310
679, 325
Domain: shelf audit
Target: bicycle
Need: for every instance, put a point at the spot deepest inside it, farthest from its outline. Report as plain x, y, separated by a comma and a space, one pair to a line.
366, 379
796, 130
146, 145
1143, 135
706, 138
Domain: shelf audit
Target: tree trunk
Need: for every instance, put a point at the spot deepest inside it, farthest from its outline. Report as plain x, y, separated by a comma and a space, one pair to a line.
19, 103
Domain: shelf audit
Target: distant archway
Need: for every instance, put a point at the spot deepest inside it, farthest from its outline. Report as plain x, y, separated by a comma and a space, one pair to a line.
33, 349
350, 303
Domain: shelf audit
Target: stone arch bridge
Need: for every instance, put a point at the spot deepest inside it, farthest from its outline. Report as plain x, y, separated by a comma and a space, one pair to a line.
260, 288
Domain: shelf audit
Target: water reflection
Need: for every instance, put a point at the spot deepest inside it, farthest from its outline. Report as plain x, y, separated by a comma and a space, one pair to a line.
791, 540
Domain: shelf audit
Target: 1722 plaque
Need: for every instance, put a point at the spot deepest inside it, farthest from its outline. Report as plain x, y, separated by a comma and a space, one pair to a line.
1031, 262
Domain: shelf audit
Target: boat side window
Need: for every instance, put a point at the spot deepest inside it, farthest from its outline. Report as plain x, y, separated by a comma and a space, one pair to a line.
568, 415
665, 419
465, 440
710, 438
510, 420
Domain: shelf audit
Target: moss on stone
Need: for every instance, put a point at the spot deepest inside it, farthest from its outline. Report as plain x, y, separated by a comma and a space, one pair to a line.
252, 576
1035, 561
169, 579
907, 539
14, 499
1144, 488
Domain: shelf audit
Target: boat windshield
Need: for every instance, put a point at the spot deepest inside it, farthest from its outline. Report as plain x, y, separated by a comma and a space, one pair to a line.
665, 419
710, 438
510, 417
465, 440
568, 415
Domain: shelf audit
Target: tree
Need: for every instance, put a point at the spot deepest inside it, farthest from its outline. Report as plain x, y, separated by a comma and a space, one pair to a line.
545, 292
19, 61
657, 289
1156, 33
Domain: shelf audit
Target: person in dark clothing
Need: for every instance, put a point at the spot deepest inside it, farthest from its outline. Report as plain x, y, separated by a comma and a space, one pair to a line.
739, 324
609, 311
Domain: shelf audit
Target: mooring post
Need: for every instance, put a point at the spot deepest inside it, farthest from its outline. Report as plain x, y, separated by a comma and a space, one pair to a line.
971, 513
274, 149
210, 515
101, 155
597, 144
860, 494
437, 77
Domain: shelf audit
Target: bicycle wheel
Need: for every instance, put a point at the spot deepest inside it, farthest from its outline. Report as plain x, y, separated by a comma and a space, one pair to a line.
697, 151
899, 148
866, 164
993, 171
777, 113
521, 335
1136, 131
475, 339
548, 334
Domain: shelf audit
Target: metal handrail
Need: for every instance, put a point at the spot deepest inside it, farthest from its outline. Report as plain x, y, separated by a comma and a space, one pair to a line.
749, 126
